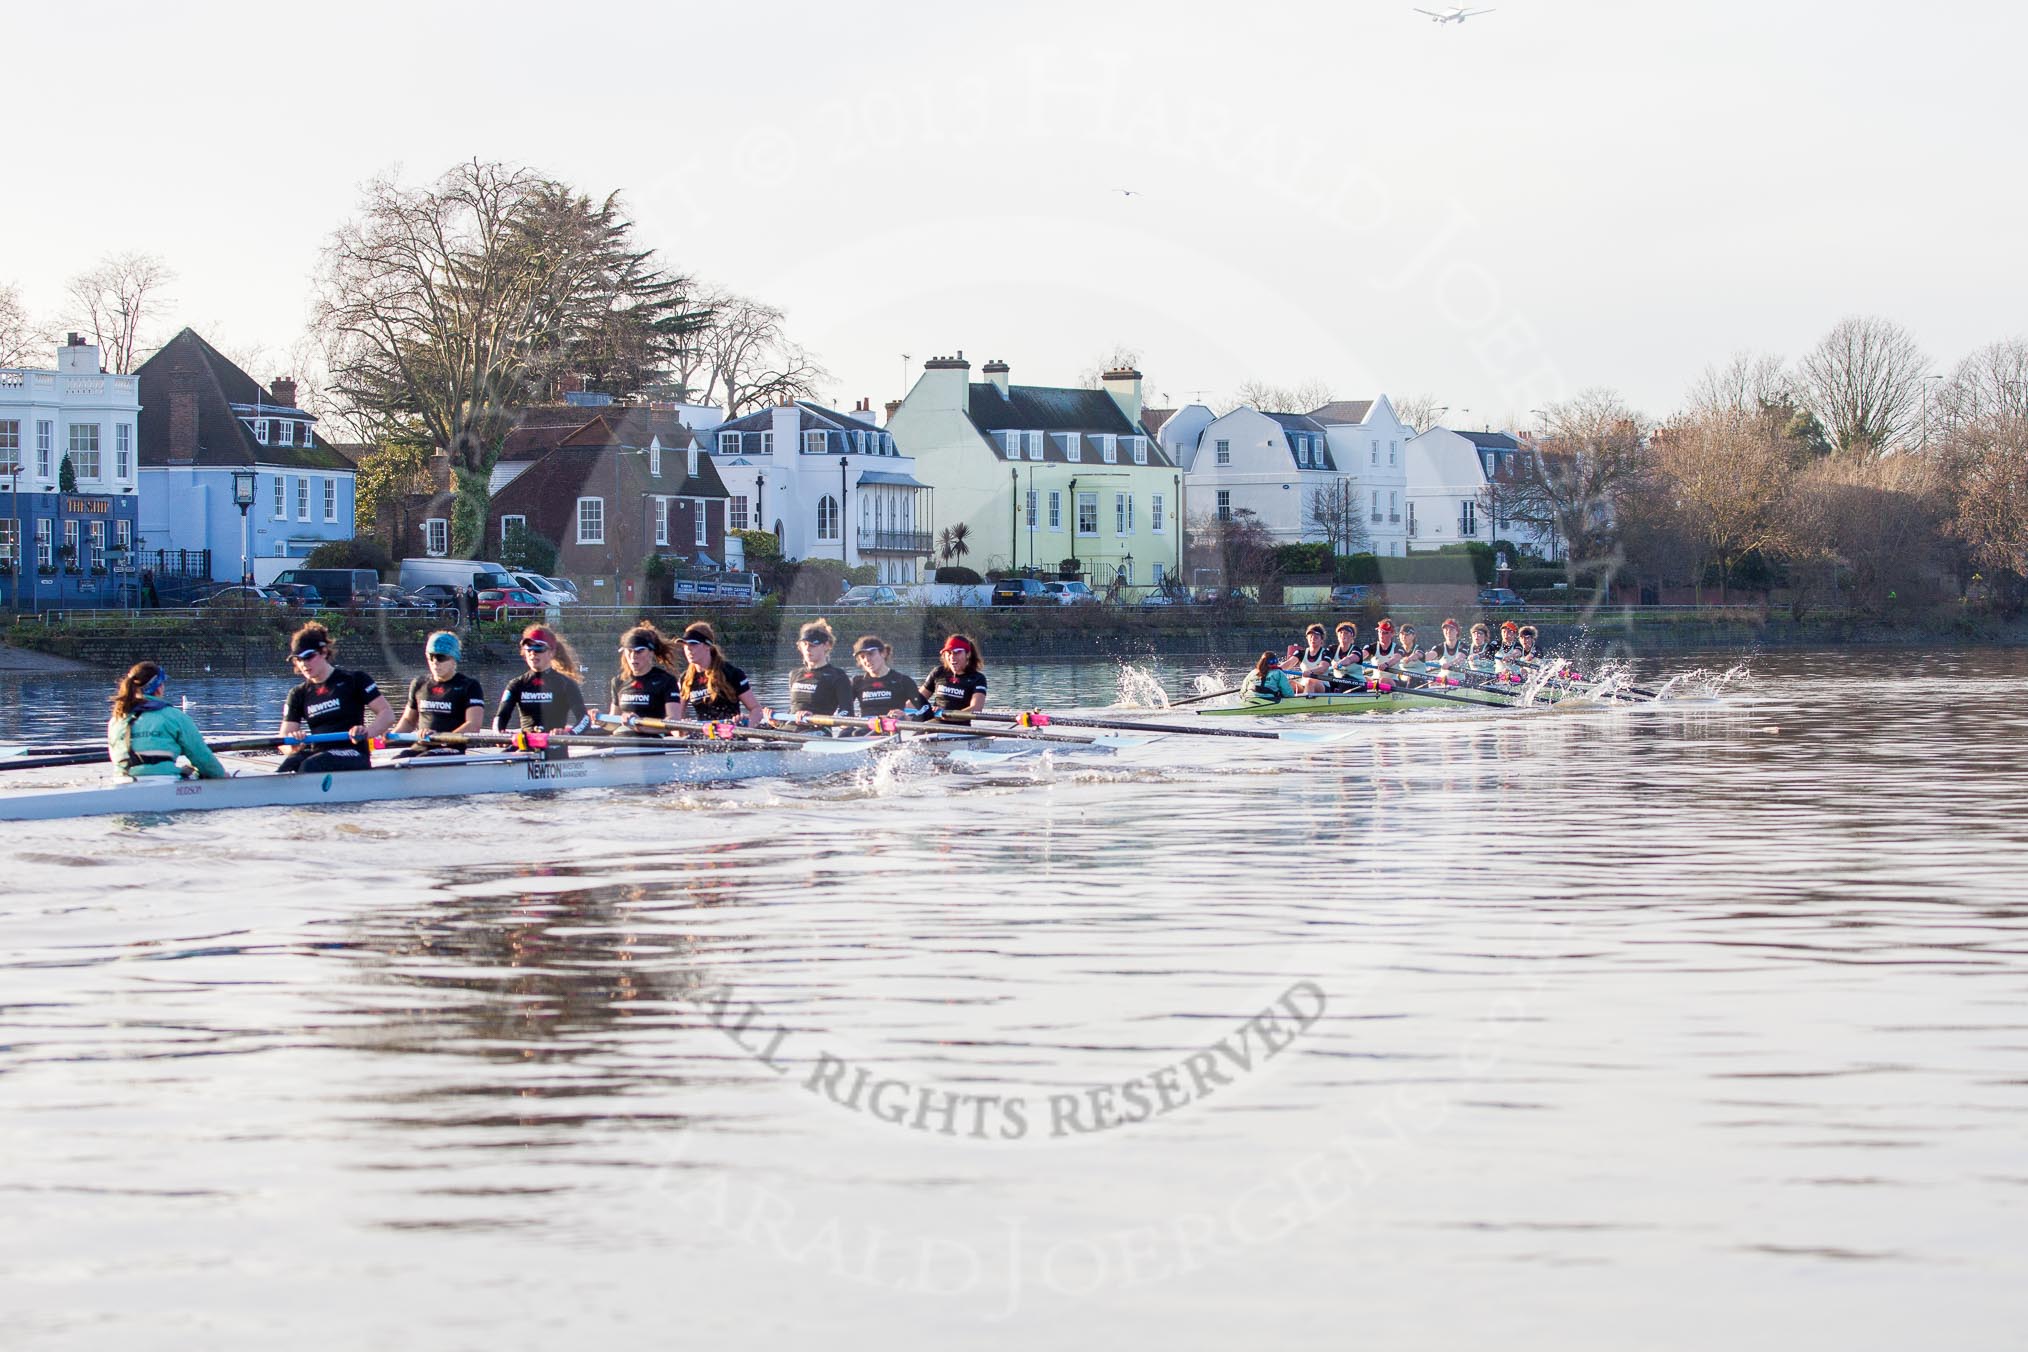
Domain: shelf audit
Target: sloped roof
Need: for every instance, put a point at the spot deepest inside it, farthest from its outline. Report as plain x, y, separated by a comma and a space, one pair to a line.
1303, 422
1490, 441
1153, 418
547, 491
1343, 411
1046, 408
809, 417
541, 429
188, 371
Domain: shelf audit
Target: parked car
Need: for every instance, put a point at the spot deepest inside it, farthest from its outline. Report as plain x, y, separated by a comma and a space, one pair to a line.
245, 598
561, 584
1351, 594
335, 586
1156, 598
866, 595
1071, 593
1223, 596
1496, 597
437, 597
544, 590
510, 603
1020, 591
298, 594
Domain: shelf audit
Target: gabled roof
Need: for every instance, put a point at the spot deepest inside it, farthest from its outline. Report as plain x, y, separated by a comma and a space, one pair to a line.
190, 375
1153, 418
547, 491
1304, 423
1343, 411
539, 430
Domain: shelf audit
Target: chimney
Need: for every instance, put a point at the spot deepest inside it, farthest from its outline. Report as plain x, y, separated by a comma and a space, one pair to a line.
864, 413
996, 371
182, 448
284, 391
77, 358
76, 340
892, 405
945, 386
1124, 385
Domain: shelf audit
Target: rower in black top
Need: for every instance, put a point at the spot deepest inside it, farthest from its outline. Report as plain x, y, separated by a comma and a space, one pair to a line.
646, 684
959, 682
330, 700
445, 700
546, 697
819, 687
880, 690
713, 688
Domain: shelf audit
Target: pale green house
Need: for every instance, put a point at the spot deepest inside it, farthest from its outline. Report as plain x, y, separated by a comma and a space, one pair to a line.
1042, 475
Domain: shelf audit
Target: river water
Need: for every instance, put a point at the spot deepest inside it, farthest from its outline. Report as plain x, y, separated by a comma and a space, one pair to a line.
1677, 1026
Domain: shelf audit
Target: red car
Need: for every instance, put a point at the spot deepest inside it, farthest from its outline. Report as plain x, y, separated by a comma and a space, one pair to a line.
510, 603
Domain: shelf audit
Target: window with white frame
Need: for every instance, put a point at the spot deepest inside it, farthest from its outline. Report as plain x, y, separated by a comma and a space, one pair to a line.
1223, 454
661, 520
1468, 517
10, 444
1033, 508
437, 537
736, 513
699, 515
281, 499
123, 450
1073, 447
84, 450
655, 461
1109, 448
45, 440
45, 552
1035, 440
1225, 504
303, 499
728, 443
816, 442
1376, 504
1087, 514
1489, 464
123, 536
828, 525
1391, 447
1376, 453
309, 439
509, 525
1140, 445
1010, 442
1155, 517
1302, 452
1393, 505
767, 443
260, 430
285, 433
1055, 509
97, 542
8, 543
591, 521
70, 543
1126, 571
330, 499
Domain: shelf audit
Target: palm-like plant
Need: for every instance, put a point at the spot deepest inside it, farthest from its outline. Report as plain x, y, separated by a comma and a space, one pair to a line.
951, 542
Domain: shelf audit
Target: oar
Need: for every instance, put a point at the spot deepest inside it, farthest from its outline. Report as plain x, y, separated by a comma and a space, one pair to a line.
1630, 689
100, 753
957, 723
1356, 687
1199, 699
706, 730
1042, 720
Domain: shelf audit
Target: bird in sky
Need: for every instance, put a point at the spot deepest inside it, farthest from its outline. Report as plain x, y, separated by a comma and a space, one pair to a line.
1127, 192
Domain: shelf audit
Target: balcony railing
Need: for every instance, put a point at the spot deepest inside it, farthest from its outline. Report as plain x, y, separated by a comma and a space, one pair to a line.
1394, 516
1376, 518
894, 541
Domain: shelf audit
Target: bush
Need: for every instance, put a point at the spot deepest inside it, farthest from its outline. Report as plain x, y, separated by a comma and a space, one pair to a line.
524, 549
957, 573
1304, 558
363, 552
1462, 566
761, 546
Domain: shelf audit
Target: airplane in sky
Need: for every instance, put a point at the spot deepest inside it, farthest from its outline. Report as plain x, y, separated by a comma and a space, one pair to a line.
1456, 14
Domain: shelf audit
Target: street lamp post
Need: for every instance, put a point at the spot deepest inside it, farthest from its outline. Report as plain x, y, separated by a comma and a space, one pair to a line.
844, 556
243, 498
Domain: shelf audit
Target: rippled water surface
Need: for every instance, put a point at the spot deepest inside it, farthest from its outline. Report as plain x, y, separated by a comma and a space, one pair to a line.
1691, 1025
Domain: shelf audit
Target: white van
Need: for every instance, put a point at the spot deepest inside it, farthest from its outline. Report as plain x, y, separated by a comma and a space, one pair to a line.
473, 573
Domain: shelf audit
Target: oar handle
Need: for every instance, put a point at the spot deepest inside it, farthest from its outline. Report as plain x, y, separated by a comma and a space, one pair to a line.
723, 730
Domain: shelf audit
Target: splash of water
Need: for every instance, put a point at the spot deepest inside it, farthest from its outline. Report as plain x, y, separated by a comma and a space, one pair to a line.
1139, 688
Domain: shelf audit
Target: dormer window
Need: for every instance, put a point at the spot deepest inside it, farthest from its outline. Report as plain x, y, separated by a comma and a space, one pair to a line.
655, 459
728, 443
260, 430
286, 433
1073, 447
816, 443
1109, 450
1010, 442
767, 444
1140, 445
1035, 445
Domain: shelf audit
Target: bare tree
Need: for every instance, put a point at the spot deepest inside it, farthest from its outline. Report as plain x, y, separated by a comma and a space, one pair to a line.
1299, 398
749, 360
442, 307
20, 340
1419, 411
1568, 485
1991, 464
1992, 382
1726, 471
1338, 513
1746, 383
1864, 383
115, 301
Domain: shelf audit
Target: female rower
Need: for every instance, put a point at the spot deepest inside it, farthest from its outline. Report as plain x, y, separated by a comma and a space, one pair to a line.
1310, 664
1451, 656
1527, 635
547, 696
645, 686
713, 688
1268, 684
880, 690
446, 700
1382, 657
1510, 648
146, 733
330, 700
1347, 659
819, 688
958, 685
1479, 655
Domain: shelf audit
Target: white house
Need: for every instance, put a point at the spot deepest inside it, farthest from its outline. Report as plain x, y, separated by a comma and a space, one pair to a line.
78, 541
1306, 476
1456, 480
828, 485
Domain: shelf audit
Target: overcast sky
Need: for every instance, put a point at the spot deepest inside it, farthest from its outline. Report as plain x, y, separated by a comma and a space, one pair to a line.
1559, 194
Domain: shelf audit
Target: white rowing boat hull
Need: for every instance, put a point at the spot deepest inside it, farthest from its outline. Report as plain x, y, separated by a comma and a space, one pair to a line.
444, 777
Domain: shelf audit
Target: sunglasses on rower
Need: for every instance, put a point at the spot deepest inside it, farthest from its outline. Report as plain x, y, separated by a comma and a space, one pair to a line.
534, 645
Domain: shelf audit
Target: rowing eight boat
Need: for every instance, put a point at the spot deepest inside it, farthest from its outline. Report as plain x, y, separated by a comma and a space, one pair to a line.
448, 777
1359, 702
